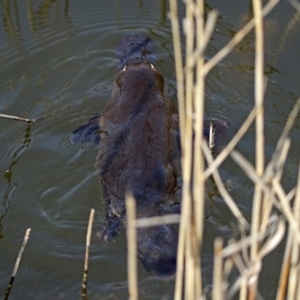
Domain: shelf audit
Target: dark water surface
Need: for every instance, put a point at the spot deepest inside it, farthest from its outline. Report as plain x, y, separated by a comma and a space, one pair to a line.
58, 58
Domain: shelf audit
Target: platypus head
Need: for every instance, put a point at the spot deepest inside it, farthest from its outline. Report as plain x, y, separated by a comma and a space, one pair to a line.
135, 48
157, 249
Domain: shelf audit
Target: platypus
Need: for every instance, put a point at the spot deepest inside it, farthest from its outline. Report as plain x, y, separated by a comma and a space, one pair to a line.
139, 152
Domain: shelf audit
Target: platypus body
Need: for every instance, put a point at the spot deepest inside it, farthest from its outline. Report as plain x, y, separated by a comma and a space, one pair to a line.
139, 152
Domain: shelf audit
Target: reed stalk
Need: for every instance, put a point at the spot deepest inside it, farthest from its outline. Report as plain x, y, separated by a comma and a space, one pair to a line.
267, 230
16, 267
86, 258
182, 121
132, 248
15, 118
259, 126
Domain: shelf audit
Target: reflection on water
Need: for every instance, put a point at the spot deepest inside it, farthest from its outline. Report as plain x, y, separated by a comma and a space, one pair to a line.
289, 31
38, 16
47, 12
11, 22
12, 187
58, 59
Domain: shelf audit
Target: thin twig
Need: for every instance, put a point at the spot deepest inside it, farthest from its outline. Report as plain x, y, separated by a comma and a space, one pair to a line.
86, 260
230, 146
15, 270
222, 190
16, 118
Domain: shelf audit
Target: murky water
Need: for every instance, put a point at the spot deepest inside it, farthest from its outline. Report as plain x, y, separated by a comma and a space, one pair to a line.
57, 58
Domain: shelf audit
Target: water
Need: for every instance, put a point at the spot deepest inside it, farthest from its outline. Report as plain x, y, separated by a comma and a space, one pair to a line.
58, 58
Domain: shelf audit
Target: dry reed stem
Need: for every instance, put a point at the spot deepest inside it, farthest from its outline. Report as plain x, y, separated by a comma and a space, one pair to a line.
296, 208
283, 201
17, 263
132, 247
240, 284
259, 145
15, 118
189, 266
274, 240
238, 260
295, 4
182, 121
285, 269
198, 163
291, 194
208, 31
217, 293
200, 294
184, 221
277, 174
227, 269
290, 267
222, 190
298, 287
244, 267
288, 126
257, 212
293, 222
239, 36
159, 220
86, 260
188, 26
243, 288
173, 15
267, 207
267, 204
250, 269
263, 183
230, 146
268, 244
186, 140
191, 103
293, 274
249, 170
